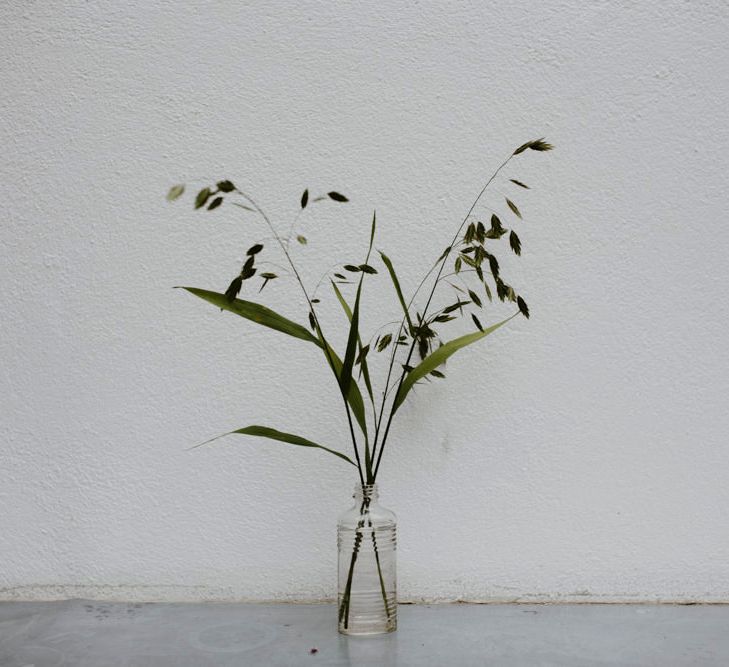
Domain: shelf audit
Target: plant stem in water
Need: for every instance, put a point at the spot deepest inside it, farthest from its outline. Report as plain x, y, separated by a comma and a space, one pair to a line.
345, 604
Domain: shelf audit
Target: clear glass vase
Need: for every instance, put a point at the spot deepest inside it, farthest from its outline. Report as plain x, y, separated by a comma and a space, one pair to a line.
367, 600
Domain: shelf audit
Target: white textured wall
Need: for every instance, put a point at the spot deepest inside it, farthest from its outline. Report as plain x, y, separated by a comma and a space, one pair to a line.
580, 455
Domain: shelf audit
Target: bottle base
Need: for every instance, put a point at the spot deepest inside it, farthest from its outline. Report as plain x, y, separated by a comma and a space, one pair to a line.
368, 632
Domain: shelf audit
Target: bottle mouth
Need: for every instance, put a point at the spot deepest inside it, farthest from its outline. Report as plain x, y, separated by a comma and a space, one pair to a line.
366, 491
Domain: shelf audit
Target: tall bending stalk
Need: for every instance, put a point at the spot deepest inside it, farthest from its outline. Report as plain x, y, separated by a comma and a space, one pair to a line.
421, 333
344, 611
446, 255
312, 310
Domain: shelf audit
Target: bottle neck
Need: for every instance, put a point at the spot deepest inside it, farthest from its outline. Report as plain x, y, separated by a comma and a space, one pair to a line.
366, 493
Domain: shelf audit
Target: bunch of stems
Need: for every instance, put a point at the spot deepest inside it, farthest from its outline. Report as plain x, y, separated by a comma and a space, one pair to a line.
368, 455
368, 469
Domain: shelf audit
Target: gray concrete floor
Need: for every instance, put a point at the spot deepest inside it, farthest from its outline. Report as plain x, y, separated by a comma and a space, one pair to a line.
79, 633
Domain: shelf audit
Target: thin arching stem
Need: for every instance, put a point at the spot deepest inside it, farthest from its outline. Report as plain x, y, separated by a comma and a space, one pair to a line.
427, 305
393, 354
293, 226
325, 275
380, 328
316, 320
454, 273
275, 265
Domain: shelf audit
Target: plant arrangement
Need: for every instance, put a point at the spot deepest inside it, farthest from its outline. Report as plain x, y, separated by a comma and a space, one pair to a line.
458, 285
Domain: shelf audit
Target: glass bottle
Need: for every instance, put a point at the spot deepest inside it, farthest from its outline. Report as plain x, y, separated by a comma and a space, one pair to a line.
367, 600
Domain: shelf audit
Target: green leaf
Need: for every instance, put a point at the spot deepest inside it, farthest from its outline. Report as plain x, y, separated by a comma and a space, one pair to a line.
248, 271
226, 186
353, 337
255, 312
519, 183
513, 207
494, 266
438, 357
480, 232
514, 242
522, 148
540, 145
458, 305
384, 342
340, 297
470, 261
535, 145
470, 233
501, 288
437, 374
202, 197
234, 288
337, 197
475, 298
523, 308
254, 249
478, 324
398, 289
215, 203
301, 239
362, 353
266, 278
304, 199
497, 230
354, 396
349, 388
176, 191
273, 434
352, 268
366, 268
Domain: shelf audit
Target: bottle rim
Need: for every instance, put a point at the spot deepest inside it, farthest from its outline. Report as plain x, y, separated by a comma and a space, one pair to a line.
365, 490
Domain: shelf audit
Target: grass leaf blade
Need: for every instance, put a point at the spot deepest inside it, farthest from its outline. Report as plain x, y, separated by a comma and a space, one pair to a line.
354, 396
398, 289
255, 312
273, 434
439, 357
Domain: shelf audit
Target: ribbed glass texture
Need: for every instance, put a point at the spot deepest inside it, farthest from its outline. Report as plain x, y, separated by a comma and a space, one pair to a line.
367, 600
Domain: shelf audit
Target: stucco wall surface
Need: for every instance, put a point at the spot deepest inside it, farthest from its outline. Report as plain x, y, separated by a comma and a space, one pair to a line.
579, 455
